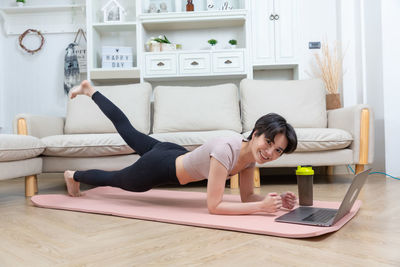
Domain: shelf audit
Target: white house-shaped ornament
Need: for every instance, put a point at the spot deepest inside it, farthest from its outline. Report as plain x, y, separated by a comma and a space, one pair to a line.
113, 11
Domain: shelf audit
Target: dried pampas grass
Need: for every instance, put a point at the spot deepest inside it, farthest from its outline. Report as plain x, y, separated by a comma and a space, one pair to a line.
329, 67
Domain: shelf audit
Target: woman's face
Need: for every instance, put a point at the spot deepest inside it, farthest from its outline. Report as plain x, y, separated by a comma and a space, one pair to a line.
265, 150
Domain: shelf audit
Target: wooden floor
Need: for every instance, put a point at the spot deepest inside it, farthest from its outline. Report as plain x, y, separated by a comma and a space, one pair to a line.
31, 236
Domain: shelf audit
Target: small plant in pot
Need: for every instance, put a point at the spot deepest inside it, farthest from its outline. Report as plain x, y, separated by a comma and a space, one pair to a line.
20, 2
212, 42
233, 43
165, 43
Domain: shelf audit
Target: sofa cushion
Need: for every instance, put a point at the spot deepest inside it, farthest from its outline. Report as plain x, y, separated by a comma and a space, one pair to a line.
320, 139
84, 116
302, 102
85, 145
192, 140
19, 147
184, 109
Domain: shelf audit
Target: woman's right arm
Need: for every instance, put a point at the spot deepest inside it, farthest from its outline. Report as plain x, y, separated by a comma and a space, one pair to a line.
215, 191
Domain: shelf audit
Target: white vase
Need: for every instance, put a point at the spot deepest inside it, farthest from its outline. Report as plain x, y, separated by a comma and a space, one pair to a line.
20, 4
155, 47
233, 46
213, 47
168, 47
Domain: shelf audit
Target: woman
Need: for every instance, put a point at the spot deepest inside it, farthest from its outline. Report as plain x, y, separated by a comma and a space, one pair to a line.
167, 163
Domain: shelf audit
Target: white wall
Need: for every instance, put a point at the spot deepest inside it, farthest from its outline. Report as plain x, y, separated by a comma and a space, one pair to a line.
373, 75
350, 35
391, 88
317, 23
33, 83
2, 110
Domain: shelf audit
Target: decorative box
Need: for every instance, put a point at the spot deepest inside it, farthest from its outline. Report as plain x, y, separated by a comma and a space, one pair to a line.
117, 57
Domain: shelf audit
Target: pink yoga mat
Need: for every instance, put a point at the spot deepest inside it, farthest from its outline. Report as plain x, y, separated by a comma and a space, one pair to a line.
187, 208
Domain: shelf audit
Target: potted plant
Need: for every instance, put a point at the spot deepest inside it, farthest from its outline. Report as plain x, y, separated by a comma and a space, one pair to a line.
212, 42
329, 69
165, 43
233, 43
20, 2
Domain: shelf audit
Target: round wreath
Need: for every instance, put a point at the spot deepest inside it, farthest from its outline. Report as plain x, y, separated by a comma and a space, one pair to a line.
22, 36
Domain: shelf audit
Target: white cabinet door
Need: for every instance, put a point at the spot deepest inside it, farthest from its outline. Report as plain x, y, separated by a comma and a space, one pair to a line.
273, 23
284, 31
262, 31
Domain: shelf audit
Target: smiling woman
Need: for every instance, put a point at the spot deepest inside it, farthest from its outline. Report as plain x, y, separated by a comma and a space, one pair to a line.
216, 161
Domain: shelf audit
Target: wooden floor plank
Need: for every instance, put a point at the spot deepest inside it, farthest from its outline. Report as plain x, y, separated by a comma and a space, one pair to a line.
44, 237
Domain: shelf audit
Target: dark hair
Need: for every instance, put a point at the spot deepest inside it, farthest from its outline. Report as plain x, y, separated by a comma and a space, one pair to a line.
273, 124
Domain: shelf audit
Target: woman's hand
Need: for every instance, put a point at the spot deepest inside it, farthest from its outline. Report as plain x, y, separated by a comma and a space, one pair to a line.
272, 203
289, 200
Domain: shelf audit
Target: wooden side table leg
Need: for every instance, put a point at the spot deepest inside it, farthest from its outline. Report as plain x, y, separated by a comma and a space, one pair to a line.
36, 184
257, 177
235, 181
359, 168
364, 141
30, 185
329, 170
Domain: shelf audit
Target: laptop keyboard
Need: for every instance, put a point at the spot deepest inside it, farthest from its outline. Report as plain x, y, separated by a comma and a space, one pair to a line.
321, 216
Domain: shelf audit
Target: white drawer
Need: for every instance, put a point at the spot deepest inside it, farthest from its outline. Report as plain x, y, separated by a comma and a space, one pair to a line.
194, 63
161, 64
228, 62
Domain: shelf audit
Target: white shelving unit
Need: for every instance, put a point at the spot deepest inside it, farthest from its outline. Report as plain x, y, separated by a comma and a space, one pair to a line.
192, 30
193, 20
275, 49
114, 27
194, 63
120, 74
45, 18
40, 9
116, 34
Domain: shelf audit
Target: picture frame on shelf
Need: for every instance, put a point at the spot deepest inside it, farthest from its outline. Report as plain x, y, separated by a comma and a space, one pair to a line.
113, 11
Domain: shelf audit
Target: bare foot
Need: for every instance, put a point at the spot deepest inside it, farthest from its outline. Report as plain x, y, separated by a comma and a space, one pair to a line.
85, 88
72, 185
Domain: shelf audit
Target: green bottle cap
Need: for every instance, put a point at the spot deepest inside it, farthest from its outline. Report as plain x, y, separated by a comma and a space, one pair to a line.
307, 170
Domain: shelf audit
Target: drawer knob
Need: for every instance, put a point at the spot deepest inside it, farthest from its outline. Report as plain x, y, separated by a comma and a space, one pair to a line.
194, 63
160, 64
228, 62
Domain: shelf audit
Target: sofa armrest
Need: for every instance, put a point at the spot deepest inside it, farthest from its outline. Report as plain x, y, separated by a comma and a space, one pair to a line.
357, 120
38, 126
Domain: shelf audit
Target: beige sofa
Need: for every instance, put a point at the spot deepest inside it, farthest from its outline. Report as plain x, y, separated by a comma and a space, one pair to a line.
189, 116
19, 156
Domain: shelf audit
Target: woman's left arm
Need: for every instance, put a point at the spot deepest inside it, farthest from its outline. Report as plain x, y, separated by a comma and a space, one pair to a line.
247, 186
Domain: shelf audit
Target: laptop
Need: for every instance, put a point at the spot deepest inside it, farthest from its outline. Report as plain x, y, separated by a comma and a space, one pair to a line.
327, 217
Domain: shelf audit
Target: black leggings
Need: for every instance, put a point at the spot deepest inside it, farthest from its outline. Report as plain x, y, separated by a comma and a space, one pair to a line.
156, 165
